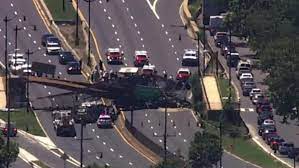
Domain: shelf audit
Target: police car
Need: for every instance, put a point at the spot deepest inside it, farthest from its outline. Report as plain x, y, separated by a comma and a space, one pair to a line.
114, 55
190, 58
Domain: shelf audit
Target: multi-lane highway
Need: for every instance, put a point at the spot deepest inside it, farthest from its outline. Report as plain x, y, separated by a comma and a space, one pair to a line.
115, 151
134, 25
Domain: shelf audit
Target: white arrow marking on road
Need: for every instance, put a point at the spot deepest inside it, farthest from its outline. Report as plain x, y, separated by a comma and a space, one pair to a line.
153, 7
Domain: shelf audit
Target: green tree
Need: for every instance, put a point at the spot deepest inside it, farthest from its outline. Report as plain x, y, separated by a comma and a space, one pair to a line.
205, 150
170, 163
6, 157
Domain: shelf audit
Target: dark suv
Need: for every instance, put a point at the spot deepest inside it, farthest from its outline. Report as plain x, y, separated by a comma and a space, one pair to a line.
66, 57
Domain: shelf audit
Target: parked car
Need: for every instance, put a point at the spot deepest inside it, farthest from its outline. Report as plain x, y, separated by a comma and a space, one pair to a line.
66, 57
263, 117
257, 97
294, 152
255, 91
149, 70
268, 134
247, 87
285, 147
266, 107
264, 129
261, 102
269, 113
232, 59
226, 47
242, 70
190, 58
220, 38
141, 58
269, 137
13, 129
244, 64
268, 122
73, 68
276, 141
104, 121
44, 39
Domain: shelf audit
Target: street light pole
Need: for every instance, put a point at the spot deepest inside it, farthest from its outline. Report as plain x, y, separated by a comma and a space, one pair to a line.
27, 83
16, 29
165, 131
77, 24
6, 20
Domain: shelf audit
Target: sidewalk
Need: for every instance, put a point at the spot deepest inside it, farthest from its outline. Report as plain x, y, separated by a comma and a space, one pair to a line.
212, 92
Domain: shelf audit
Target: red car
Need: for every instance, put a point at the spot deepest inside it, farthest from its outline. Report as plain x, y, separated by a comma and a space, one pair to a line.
141, 58
265, 107
114, 55
183, 74
276, 141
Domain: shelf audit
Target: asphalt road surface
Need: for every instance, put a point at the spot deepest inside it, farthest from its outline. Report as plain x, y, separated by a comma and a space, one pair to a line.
134, 25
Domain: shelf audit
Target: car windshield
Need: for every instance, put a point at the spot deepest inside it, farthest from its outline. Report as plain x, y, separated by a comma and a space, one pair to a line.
184, 72
188, 54
114, 53
141, 56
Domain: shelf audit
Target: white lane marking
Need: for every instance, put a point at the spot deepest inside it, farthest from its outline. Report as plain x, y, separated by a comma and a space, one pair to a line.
166, 32
16, 13
185, 140
138, 32
149, 121
172, 46
107, 164
169, 39
24, 28
113, 25
0, 30
64, 78
127, 9
145, 114
120, 156
59, 73
98, 136
120, 46
153, 7
100, 2
109, 17
251, 109
97, 157
171, 121
88, 151
152, 127
49, 93
141, 39
104, 143
177, 59
175, 53
142, 45
45, 55
126, 64
115, 32
135, 24
174, 127
130, 163
9, 43
39, 48
124, 58
45, 86
49, 61
53, 99
93, 130
34, 42
105, 10
112, 150
168, 114
117, 39
20, 20
162, 25
160, 140
4, 37
166, 147
242, 109
180, 134
123, 1
131, 17
11, 4
155, 134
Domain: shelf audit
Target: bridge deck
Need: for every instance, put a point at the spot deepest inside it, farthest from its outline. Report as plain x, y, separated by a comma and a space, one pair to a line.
212, 91
2, 93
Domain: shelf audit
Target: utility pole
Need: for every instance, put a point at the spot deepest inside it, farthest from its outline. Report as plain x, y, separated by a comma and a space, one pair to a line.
6, 20
16, 29
27, 83
89, 27
77, 24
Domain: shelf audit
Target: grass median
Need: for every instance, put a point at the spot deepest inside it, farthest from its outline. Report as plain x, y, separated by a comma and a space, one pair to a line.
22, 119
57, 11
194, 6
235, 141
223, 86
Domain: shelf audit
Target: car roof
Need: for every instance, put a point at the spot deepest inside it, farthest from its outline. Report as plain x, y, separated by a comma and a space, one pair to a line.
113, 50
140, 52
190, 51
151, 67
256, 89
184, 69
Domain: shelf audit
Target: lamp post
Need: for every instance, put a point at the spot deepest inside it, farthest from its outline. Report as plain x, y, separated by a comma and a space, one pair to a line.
88, 59
77, 23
